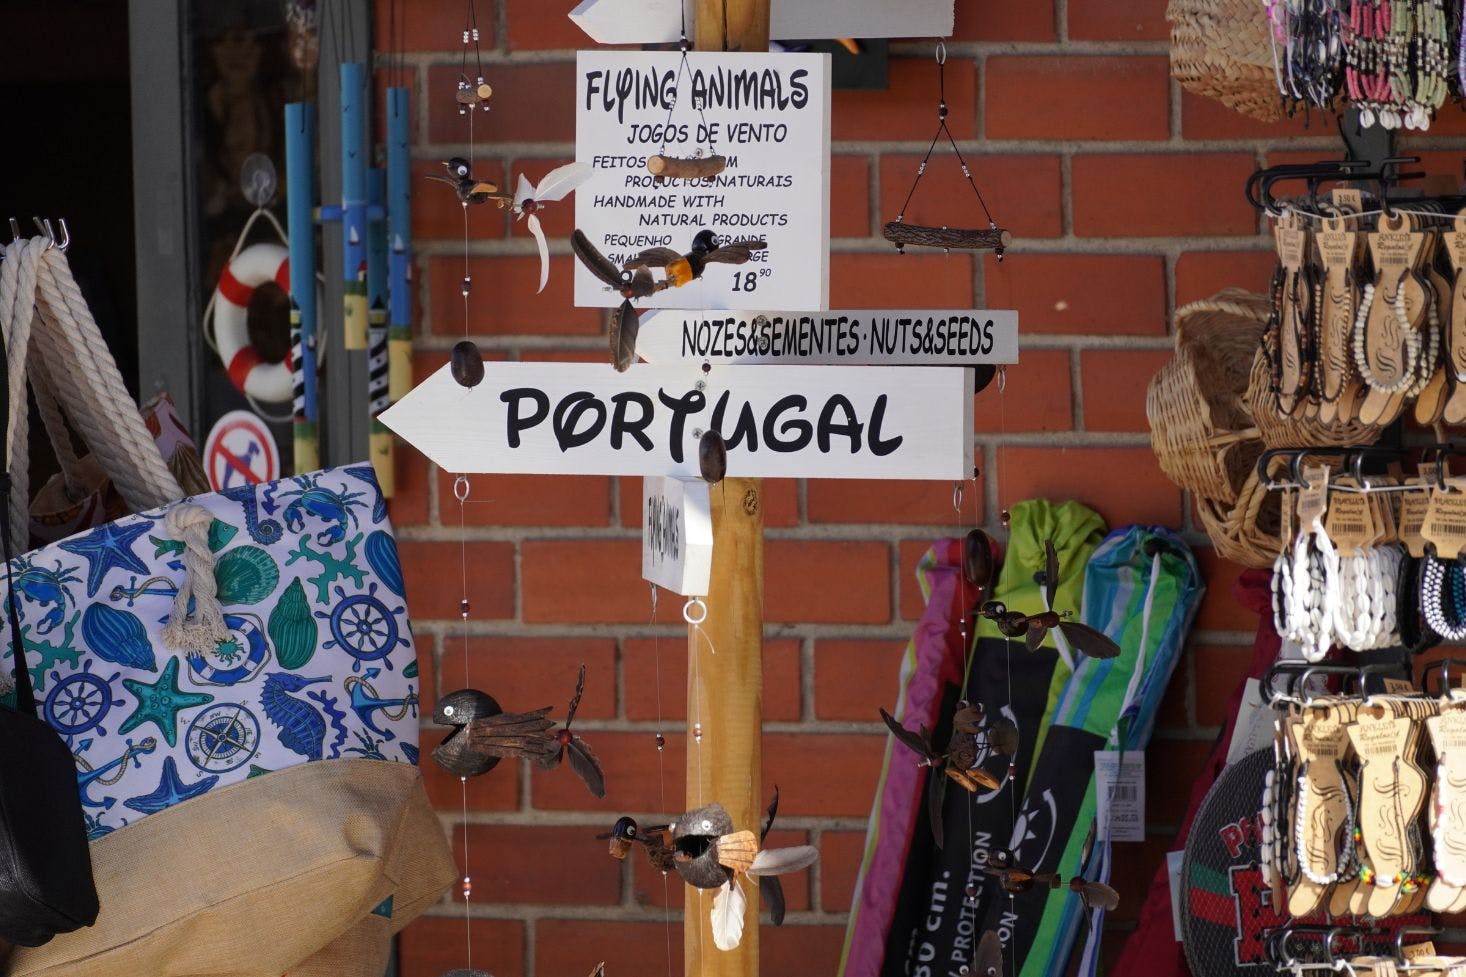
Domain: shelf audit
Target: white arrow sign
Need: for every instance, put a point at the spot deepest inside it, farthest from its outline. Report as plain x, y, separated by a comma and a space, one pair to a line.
660, 21
676, 534
587, 419
843, 337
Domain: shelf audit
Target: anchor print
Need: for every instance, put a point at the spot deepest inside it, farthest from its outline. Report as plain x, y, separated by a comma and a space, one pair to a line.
151, 587
364, 702
103, 775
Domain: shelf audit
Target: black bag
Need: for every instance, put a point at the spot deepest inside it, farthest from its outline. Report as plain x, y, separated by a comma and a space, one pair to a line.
46, 882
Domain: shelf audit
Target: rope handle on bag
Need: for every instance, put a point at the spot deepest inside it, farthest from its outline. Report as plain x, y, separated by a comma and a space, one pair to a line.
202, 630
25, 697
43, 312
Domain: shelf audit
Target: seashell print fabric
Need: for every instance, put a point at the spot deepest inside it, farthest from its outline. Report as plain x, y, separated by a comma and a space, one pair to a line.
319, 663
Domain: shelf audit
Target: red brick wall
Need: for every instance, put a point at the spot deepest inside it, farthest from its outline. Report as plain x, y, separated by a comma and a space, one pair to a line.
1124, 194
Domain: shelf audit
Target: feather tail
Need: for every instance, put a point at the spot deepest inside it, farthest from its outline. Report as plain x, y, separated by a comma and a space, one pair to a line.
624, 326
728, 906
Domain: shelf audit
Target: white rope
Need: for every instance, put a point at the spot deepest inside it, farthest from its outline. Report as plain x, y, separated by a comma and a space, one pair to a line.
104, 412
205, 628
49, 406
17, 312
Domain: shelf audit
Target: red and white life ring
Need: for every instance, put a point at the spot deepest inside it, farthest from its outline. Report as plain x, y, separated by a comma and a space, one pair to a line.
247, 271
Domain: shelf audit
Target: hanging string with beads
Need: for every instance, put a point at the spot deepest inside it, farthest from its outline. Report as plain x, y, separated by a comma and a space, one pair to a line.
697, 103
460, 492
661, 742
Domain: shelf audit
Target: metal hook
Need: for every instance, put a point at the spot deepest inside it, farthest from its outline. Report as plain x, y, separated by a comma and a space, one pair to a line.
941, 52
460, 488
1405, 931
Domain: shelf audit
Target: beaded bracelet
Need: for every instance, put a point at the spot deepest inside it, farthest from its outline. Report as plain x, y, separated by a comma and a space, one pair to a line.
1311, 596
1445, 801
1433, 577
1282, 586
1365, 618
1430, 355
1412, 345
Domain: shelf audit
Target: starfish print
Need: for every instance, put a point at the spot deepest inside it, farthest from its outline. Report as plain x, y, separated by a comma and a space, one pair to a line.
170, 791
161, 702
107, 546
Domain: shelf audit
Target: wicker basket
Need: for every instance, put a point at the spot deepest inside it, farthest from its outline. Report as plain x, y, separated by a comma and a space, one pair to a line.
1246, 531
1298, 431
1220, 49
1200, 429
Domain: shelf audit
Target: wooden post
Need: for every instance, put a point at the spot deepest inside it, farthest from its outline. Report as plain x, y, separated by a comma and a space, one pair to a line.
731, 25
725, 696
725, 668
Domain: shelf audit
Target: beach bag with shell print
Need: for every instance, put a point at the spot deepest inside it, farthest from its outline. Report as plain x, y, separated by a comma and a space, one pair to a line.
189, 647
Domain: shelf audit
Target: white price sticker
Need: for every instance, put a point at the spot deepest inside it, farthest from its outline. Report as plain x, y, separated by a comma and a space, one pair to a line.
1119, 790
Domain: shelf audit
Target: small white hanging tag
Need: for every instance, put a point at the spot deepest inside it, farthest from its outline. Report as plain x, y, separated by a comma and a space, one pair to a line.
1119, 790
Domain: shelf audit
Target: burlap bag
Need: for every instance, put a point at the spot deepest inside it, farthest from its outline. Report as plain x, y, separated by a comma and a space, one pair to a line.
306, 871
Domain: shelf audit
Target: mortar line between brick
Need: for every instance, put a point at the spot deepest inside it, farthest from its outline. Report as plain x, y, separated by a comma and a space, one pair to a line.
1061, 23
913, 50
807, 679
981, 148
444, 248
1173, 105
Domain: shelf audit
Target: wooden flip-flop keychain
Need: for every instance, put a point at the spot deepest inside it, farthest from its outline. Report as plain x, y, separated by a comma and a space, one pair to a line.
1321, 815
1386, 341
1454, 242
1414, 783
1293, 362
1338, 247
1380, 738
1430, 403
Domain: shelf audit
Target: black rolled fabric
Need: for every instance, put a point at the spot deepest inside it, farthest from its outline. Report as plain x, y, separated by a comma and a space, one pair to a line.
46, 882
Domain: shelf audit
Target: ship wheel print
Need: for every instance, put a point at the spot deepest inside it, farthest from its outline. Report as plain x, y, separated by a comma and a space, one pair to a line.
363, 626
78, 702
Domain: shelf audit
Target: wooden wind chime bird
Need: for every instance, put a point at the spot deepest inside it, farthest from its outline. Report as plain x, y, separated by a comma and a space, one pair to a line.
482, 734
971, 741
988, 961
1033, 627
1002, 865
565, 743
469, 189
656, 840
530, 199
634, 279
703, 847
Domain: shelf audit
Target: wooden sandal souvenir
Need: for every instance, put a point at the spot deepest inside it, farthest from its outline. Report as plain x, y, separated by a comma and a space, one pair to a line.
1391, 791
1323, 815
1387, 341
1338, 247
1455, 358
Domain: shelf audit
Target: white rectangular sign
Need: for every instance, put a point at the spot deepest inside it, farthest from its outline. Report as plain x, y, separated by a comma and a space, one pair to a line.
768, 114
658, 21
931, 337
676, 534
587, 419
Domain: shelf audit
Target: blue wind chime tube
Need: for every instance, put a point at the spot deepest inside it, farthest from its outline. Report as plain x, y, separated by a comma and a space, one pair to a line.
354, 203
379, 437
399, 239
300, 139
